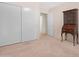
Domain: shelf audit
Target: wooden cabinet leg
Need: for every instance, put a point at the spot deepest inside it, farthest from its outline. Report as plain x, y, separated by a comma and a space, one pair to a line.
65, 36
77, 38
61, 36
73, 40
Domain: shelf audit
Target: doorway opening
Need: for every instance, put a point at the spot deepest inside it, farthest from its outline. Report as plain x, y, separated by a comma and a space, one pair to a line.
43, 24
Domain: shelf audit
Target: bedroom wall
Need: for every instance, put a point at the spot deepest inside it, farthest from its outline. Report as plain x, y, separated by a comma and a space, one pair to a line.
57, 18
50, 24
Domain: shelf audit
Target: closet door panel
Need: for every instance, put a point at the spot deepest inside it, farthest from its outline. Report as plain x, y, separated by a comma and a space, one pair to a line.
28, 24
10, 24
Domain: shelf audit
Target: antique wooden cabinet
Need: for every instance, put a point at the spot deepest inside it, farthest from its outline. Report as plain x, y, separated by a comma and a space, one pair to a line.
70, 25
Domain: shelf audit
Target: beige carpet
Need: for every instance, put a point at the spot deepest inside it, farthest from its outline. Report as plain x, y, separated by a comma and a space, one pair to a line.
43, 47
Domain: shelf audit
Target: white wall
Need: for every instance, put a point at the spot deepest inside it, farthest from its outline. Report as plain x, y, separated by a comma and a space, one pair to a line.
50, 24
57, 17
42, 10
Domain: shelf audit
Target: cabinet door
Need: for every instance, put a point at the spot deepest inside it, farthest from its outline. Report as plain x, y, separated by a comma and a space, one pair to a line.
10, 23
70, 16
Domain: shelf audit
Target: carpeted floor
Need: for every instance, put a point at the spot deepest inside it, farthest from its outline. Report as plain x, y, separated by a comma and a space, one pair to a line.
44, 47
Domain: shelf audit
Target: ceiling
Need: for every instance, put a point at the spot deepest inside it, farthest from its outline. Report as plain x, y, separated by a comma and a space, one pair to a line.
44, 6
48, 5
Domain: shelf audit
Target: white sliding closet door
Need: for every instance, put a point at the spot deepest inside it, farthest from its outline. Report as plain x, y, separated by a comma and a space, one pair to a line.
10, 24
30, 22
